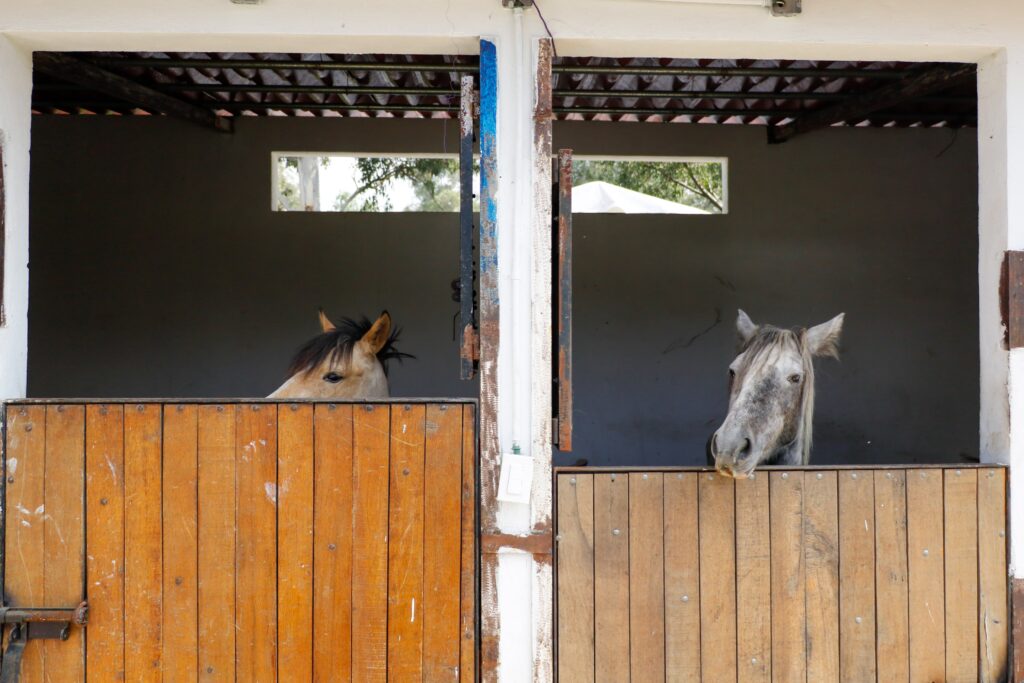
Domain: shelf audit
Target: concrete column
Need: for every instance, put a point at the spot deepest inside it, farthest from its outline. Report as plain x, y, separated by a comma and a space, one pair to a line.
15, 125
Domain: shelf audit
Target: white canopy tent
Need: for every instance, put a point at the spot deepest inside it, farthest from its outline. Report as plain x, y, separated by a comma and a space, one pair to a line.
601, 197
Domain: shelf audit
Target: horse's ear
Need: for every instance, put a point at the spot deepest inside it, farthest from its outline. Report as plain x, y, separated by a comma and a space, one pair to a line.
745, 327
823, 339
325, 323
377, 336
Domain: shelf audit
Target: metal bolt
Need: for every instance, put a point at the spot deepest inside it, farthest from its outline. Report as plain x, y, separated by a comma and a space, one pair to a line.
613, 477
444, 407
819, 475
140, 408
255, 408
209, 669
615, 532
753, 660
1002, 534
220, 409
644, 476
572, 480
103, 501
406, 471
103, 410
407, 407
60, 409
686, 598
853, 476
785, 475
888, 475
753, 475
991, 474
925, 552
10, 479
178, 580
23, 412
331, 546
558, 537
958, 473
294, 407
858, 620
331, 406
28, 427
679, 476
924, 475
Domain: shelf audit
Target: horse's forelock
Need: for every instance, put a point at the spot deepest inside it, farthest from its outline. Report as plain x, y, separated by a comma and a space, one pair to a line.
337, 345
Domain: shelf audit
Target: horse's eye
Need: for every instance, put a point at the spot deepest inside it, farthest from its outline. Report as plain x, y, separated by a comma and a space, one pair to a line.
794, 379
333, 377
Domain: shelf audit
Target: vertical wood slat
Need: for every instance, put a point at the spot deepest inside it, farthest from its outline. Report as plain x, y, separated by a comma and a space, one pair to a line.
821, 552
143, 542
332, 538
891, 592
992, 589
24, 548
468, 591
789, 656
64, 533
717, 577
405, 542
611, 577
576, 578
255, 545
646, 577
216, 497
180, 525
926, 575
295, 542
961, 539
754, 547
370, 428
437, 615
856, 576
682, 579
104, 527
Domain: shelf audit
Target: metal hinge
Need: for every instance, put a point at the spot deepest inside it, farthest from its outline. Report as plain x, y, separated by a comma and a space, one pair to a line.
35, 623
786, 8
554, 431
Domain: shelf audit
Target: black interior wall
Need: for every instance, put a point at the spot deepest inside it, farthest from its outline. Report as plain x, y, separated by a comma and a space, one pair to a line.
158, 269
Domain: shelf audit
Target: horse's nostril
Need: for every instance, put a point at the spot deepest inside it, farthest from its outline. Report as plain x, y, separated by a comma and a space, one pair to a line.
745, 450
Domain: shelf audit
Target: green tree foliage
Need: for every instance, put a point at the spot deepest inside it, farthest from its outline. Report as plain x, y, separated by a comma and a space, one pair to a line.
694, 183
435, 182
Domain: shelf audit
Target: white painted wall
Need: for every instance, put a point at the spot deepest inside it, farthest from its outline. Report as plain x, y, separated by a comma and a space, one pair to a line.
985, 30
15, 94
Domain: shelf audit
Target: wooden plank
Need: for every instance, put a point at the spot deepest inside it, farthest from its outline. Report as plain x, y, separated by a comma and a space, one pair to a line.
789, 656
891, 593
961, 539
754, 546
370, 434
467, 618
405, 543
926, 575
856, 576
332, 538
216, 437
143, 541
104, 527
255, 544
682, 579
24, 550
717, 578
180, 513
295, 542
440, 494
564, 299
821, 553
646, 577
993, 598
611, 577
64, 533
575, 578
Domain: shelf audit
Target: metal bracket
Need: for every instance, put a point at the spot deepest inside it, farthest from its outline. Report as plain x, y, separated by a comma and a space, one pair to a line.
514, 4
786, 8
35, 624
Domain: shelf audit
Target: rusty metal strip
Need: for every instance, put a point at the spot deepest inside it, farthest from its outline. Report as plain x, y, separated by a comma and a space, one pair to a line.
535, 544
565, 299
3, 233
488, 329
1015, 298
468, 350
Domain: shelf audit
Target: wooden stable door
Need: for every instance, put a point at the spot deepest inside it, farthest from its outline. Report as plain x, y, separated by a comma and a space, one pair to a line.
818, 575
244, 541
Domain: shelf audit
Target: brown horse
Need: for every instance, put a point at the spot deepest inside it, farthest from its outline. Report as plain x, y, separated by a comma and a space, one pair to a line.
771, 396
345, 361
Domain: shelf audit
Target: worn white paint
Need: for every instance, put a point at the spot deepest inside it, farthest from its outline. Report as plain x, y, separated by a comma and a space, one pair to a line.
990, 31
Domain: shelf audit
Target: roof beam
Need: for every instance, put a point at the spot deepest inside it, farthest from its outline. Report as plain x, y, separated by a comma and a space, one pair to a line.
81, 73
861, 106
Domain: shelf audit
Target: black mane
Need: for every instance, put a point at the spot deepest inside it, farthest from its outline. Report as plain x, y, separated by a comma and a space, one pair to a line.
337, 346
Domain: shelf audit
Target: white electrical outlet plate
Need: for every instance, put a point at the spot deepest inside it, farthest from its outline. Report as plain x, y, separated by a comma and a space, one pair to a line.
515, 479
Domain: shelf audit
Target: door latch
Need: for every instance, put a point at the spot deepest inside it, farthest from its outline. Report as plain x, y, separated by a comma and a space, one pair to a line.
35, 623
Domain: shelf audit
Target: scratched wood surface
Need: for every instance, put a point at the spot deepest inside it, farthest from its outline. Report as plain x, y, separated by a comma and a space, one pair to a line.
822, 574
246, 542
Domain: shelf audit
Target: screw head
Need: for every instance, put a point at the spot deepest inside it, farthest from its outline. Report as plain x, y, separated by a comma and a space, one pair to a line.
1002, 534
103, 501
685, 598
615, 532
613, 476
405, 471
710, 477
785, 475
644, 476
853, 476
331, 546
819, 475
888, 475
220, 409
958, 473
10, 479
925, 552
858, 620
178, 580
753, 660
572, 480
28, 427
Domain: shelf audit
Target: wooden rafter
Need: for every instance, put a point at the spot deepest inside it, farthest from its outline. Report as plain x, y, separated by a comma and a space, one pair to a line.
860, 106
67, 68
